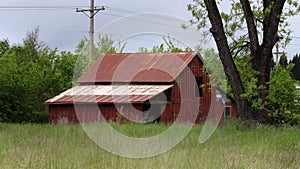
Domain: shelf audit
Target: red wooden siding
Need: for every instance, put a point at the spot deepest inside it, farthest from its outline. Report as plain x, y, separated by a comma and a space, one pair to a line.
85, 113
188, 86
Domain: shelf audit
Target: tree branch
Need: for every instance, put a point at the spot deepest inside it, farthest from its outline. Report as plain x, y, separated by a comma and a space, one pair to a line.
239, 49
252, 30
272, 23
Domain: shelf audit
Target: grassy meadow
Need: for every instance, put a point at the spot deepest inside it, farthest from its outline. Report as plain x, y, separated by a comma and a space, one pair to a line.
231, 146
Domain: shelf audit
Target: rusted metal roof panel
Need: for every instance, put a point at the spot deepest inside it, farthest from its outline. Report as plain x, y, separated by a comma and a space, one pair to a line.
104, 94
137, 67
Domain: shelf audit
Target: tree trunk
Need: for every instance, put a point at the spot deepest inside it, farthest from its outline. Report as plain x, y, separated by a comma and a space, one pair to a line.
217, 29
261, 54
261, 62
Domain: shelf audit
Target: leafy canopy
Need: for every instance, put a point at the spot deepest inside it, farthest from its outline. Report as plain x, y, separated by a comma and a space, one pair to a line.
234, 22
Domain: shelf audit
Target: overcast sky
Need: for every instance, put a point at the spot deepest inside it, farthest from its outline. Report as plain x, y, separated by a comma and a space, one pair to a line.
63, 27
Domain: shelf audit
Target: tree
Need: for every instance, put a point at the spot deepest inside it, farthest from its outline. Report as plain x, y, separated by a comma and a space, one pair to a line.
250, 28
32, 40
296, 69
104, 45
29, 75
171, 47
283, 97
4, 46
21, 84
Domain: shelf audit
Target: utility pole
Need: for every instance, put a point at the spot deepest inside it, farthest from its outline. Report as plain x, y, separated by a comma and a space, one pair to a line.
277, 54
93, 11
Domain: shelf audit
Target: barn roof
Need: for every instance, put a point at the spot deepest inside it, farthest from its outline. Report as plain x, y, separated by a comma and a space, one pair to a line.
106, 94
137, 67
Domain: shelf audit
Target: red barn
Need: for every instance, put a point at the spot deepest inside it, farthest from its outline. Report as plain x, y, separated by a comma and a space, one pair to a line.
142, 87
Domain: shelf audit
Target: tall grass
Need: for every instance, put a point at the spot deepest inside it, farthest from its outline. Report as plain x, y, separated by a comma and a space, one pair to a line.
67, 146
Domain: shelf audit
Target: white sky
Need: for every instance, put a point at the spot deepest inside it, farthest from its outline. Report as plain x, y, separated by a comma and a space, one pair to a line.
64, 28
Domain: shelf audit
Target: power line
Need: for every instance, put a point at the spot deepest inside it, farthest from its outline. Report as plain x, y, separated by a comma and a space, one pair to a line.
41, 7
64, 7
136, 12
114, 9
121, 10
65, 31
97, 9
13, 8
147, 21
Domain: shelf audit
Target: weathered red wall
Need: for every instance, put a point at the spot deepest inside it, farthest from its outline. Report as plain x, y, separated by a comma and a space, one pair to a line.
234, 112
62, 114
69, 113
185, 85
219, 107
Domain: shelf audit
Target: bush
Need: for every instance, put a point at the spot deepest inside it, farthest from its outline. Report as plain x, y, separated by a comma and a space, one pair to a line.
280, 117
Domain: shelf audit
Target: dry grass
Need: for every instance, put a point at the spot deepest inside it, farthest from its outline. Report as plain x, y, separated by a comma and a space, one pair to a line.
231, 146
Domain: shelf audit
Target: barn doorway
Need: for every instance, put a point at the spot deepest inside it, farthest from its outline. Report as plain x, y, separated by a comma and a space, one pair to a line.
151, 112
227, 112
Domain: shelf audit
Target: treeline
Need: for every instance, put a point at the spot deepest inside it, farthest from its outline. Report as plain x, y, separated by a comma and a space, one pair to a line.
31, 73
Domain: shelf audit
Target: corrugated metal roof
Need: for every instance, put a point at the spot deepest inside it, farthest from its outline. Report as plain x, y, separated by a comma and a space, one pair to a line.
137, 67
108, 94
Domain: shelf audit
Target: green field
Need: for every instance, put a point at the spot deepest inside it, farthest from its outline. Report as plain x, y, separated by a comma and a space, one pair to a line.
231, 146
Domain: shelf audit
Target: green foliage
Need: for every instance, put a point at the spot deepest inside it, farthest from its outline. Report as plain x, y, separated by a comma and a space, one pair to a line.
281, 103
63, 66
30, 75
4, 46
104, 45
32, 40
235, 23
283, 97
297, 100
81, 65
282, 88
281, 117
171, 47
214, 68
27, 83
247, 75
